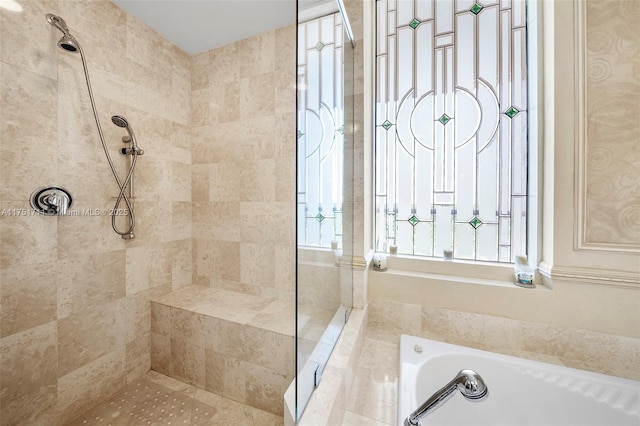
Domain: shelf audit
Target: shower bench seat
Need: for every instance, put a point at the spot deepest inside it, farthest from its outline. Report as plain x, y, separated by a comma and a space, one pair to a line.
232, 344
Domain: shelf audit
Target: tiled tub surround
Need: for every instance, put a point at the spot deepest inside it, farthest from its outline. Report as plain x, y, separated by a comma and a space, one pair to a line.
232, 344
577, 348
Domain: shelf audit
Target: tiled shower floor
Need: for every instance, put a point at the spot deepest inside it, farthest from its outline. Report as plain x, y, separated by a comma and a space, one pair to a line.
159, 400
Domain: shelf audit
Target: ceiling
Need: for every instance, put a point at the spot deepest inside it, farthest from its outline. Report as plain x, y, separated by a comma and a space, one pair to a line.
200, 25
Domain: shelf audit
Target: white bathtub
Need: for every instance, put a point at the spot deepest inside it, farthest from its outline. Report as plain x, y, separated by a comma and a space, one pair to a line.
521, 392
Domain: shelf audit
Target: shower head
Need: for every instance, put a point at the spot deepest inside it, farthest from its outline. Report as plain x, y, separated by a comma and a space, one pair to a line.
468, 382
67, 42
471, 385
120, 121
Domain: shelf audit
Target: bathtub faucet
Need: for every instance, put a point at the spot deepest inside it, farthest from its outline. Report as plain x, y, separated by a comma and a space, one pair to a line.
470, 384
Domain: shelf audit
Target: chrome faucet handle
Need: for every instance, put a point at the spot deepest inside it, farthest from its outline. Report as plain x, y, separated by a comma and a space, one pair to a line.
51, 201
59, 201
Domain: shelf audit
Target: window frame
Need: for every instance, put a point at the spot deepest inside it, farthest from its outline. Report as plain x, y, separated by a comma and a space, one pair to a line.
467, 270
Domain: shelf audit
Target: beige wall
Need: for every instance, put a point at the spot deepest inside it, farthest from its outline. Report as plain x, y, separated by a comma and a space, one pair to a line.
74, 310
243, 98
589, 318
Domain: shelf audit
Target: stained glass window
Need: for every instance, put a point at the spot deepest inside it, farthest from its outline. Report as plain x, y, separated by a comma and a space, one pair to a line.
320, 131
451, 128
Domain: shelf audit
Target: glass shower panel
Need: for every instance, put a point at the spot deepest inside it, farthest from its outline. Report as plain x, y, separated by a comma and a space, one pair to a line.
325, 155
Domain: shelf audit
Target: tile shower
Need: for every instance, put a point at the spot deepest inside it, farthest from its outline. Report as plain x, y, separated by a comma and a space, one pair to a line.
214, 207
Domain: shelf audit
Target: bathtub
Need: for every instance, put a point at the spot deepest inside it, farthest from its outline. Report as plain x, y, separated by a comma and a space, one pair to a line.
521, 392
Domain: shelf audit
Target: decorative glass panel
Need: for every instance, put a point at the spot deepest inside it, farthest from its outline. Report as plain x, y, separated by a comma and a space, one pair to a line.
321, 132
451, 128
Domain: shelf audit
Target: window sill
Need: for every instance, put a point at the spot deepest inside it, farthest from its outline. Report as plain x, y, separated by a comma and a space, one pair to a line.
398, 275
452, 269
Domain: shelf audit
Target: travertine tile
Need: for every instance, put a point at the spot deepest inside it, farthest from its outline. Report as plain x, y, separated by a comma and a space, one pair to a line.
73, 231
225, 375
91, 281
25, 42
181, 262
37, 408
90, 384
270, 350
187, 361
200, 182
147, 267
27, 240
404, 317
257, 180
265, 388
225, 182
35, 346
226, 337
258, 264
284, 48
217, 221
160, 319
257, 96
221, 259
256, 55
161, 353
88, 335
223, 63
138, 355
188, 326
375, 385
27, 99
199, 71
27, 297
353, 419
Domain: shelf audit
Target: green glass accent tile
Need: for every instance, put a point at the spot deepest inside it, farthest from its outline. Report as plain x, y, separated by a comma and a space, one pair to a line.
444, 119
475, 222
413, 220
300, 134
320, 46
414, 24
476, 8
341, 130
320, 217
512, 112
387, 124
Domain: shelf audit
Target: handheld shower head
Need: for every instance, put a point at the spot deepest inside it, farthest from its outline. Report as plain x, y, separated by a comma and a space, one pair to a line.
471, 385
468, 382
120, 121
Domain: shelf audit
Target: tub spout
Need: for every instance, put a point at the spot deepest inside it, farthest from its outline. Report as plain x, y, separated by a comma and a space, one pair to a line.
468, 382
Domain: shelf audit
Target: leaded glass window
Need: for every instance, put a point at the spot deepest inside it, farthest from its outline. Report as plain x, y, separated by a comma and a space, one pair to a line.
320, 131
451, 128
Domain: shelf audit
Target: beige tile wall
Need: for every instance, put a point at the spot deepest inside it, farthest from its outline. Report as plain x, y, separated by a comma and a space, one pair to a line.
576, 348
74, 297
243, 98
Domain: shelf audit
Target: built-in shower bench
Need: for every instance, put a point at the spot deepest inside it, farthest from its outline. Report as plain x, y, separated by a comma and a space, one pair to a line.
232, 344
